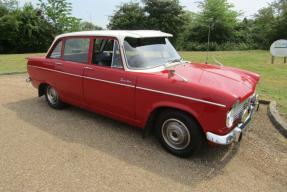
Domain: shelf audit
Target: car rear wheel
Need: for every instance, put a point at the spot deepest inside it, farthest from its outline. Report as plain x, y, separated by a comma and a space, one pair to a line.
179, 133
53, 98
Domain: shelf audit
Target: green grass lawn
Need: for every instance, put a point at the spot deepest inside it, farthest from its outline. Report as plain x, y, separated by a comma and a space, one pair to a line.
14, 62
273, 84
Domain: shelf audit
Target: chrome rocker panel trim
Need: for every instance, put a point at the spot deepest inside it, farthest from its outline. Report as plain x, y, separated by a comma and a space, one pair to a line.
236, 134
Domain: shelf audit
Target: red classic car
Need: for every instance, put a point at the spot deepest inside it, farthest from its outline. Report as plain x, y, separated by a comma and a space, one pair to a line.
139, 78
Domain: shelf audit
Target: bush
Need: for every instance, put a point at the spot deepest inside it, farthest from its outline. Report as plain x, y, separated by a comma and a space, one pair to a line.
24, 30
213, 46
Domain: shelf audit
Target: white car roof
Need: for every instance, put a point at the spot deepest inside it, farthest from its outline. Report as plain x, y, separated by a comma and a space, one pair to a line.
120, 34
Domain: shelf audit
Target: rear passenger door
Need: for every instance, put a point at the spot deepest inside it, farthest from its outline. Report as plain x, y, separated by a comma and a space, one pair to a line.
75, 59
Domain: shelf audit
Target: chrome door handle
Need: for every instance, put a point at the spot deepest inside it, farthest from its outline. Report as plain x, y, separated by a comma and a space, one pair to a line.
89, 68
58, 63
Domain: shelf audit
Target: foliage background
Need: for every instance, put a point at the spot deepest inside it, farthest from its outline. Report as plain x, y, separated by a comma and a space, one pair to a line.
32, 28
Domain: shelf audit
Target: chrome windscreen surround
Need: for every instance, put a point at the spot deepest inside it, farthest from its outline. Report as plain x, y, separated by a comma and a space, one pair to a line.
236, 134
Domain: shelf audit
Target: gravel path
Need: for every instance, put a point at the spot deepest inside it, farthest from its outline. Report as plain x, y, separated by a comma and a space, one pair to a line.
42, 149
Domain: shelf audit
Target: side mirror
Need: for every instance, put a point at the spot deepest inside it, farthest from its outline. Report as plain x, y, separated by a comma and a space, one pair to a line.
171, 73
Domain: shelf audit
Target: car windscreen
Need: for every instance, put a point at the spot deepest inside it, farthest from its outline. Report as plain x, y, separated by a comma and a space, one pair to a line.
146, 53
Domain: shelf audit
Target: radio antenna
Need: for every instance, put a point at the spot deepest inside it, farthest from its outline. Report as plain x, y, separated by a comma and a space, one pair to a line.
208, 42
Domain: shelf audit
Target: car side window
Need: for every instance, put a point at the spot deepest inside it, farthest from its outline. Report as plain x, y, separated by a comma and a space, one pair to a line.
56, 53
116, 61
77, 50
107, 53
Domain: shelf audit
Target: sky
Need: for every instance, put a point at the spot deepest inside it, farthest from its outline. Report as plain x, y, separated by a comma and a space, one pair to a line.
98, 11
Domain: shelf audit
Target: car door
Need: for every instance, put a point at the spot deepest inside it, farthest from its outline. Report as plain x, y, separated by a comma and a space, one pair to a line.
107, 86
75, 58
53, 63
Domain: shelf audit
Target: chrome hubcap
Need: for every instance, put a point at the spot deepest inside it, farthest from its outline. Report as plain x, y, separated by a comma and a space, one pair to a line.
175, 134
52, 95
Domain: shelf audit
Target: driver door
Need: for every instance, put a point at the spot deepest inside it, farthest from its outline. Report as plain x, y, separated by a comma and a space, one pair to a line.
108, 88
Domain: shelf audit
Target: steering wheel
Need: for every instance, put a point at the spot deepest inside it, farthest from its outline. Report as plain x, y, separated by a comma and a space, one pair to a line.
136, 61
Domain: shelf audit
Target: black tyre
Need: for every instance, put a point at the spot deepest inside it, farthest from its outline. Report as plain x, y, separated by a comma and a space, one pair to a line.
179, 133
53, 98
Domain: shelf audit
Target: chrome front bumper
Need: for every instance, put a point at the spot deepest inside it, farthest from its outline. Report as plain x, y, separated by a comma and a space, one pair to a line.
236, 134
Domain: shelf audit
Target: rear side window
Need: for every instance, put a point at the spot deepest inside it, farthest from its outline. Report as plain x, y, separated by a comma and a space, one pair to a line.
56, 53
77, 50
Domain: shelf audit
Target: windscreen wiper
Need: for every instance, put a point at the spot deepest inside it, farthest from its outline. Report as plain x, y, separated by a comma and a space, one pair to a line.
174, 60
178, 61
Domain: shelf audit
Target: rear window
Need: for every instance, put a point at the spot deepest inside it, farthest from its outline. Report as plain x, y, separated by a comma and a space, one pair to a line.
77, 50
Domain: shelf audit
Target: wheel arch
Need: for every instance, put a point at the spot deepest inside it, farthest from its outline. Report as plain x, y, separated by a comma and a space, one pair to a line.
41, 89
156, 111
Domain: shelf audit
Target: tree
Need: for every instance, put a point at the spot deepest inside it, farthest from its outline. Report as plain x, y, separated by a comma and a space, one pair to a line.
9, 4
128, 16
280, 31
87, 26
271, 24
8, 30
217, 15
58, 13
183, 35
3, 10
264, 24
165, 15
25, 30
30, 29
36, 34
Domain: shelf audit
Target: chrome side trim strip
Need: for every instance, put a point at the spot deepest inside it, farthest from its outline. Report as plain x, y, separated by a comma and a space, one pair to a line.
133, 86
182, 96
91, 78
55, 71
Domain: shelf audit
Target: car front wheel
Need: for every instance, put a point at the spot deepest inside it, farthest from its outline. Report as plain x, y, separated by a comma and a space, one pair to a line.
53, 98
179, 133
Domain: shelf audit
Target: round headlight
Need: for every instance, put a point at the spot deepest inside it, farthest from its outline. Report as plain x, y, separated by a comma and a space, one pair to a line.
229, 119
230, 115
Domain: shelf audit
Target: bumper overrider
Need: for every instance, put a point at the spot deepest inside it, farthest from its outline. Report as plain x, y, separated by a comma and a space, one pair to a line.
236, 134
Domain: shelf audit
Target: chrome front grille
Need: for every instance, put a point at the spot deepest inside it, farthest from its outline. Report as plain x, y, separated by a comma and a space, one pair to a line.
241, 107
